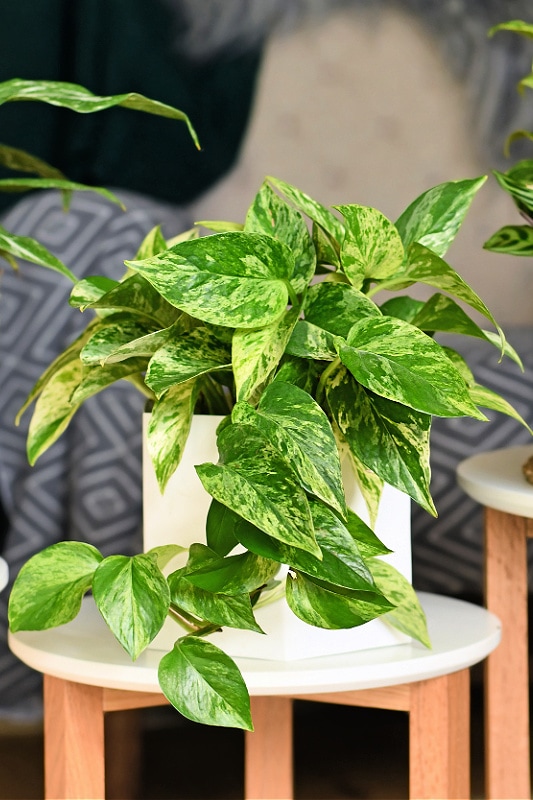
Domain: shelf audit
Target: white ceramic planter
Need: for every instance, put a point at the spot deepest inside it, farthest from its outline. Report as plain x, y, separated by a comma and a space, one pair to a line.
178, 516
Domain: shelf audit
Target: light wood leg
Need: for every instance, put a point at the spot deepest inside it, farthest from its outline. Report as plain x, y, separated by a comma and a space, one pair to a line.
507, 767
73, 741
268, 750
439, 733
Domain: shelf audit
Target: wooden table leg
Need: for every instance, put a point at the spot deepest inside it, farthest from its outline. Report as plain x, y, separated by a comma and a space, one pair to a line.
73, 740
268, 750
507, 767
439, 734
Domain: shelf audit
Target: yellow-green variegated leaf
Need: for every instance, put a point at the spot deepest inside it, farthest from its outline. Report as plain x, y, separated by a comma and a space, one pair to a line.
168, 429
514, 240
137, 296
389, 438
50, 586
30, 250
517, 183
239, 280
219, 226
299, 430
316, 212
25, 184
273, 216
133, 597
152, 244
486, 398
397, 361
253, 480
54, 408
97, 378
311, 342
336, 307
89, 290
256, 353
372, 247
370, 484
111, 334
186, 356
408, 615
13, 158
326, 606
434, 218
81, 100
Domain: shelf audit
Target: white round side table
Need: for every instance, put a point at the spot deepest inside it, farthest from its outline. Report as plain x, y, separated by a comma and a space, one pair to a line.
4, 574
87, 673
495, 480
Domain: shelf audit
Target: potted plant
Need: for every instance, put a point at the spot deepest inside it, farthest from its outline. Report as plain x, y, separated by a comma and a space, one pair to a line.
272, 326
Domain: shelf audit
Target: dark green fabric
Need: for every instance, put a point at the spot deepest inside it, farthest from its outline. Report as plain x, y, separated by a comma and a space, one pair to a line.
115, 46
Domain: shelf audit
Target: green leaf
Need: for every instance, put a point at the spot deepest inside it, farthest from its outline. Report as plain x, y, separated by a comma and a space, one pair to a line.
486, 398
372, 247
95, 379
311, 208
111, 334
239, 574
152, 244
13, 158
257, 483
257, 352
434, 218
271, 215
402, 306
387, 437
232, 279
513, 240
336, 307
88, 290
516, 25
299, 430
50, 586
408, 615
220, 535
25, 184
168, 429
367, 542
205, 685
77, 98
310, 341
517, 183
164, 553
325, 606
30, 250
397, 361
186, 356
138, 297
133, 597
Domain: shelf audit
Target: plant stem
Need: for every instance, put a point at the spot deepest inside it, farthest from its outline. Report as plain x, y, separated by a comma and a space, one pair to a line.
320, 391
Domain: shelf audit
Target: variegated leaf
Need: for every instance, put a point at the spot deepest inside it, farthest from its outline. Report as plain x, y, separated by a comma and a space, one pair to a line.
402, 306
133, 597
372, 247
327, 249
232, 279
299, 430
152, 244
137, 296
31, 250
397, 361
77, 98
50, 586
253, 480
205, 685
271, 215
168, 429
257, 352
370, 484
311, 208
97, 378
486, 398
186, 356
517, 183
368, 543
408, 615
54, 408
89, 290
336, 307
20, 160
389, 438
434, 218
320, 605
233, 575
25, 184
111, 334
310, 341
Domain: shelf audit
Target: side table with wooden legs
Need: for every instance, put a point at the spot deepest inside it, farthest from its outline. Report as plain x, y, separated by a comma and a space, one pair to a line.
495, 480
87, 674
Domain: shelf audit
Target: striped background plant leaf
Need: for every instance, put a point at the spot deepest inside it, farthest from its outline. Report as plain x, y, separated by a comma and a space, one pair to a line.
514, 240
205, 685
399, 362
372, 247
299, 430
183, 357
389, 438
133, 597
325, 606
50, 586
257, 483
232, 279
434, 218
273, 216
257, 352
517, 183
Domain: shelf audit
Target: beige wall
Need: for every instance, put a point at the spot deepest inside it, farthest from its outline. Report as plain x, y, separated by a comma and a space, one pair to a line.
365, 111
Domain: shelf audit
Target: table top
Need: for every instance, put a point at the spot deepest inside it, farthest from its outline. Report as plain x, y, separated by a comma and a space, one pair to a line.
4, 574
84, 651
495, 479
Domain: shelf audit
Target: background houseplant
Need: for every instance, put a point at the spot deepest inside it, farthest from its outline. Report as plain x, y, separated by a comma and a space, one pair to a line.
273, 324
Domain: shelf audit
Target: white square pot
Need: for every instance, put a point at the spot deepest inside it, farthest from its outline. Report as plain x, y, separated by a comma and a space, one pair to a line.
179, 515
